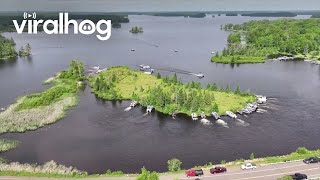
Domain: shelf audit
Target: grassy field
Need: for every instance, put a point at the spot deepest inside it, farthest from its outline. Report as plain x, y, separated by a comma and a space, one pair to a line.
237, 59
6, 145
36, 110
166, 95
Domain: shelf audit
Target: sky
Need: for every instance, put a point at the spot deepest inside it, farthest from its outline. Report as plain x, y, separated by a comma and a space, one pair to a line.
156, 5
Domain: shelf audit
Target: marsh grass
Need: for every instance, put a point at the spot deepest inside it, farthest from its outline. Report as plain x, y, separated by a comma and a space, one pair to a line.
6, 145
49, 169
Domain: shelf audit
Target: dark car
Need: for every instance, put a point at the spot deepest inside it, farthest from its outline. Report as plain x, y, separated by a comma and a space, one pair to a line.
218, 170
311, 160
298, 176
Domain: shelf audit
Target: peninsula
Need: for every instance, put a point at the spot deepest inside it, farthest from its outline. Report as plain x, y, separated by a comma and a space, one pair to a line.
256, 41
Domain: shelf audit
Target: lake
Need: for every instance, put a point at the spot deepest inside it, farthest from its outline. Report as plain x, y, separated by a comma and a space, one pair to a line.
98, 135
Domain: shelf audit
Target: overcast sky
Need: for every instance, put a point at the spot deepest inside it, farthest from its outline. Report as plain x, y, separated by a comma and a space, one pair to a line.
156, 5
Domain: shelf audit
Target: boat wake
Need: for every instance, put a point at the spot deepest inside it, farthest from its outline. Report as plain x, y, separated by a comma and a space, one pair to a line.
222, 123
205, 122
241, 122
127, 109
261, 110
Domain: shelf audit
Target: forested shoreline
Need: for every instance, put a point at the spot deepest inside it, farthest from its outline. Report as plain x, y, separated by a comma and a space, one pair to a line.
255, 41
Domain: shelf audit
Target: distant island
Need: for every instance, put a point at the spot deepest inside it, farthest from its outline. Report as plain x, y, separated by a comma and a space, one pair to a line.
184, 14
136, 29
270, 14
167, 95
256, 41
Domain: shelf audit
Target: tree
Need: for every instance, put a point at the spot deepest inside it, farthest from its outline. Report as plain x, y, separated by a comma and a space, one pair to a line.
158, 76
28, 49
251, 156
174, 165
237, 91
214, 87
147, 175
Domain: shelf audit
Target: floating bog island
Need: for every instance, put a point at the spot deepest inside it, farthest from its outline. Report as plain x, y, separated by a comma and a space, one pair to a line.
36, 110
167, 95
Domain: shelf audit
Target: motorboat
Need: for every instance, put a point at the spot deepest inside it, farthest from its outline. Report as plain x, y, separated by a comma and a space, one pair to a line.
149, 72
215, 115
200, 75
3, 109
149, 109
261, 99
142, 66
176, 51
133, 50
133, 103
194, 116
96, 68
231, 114
203, 115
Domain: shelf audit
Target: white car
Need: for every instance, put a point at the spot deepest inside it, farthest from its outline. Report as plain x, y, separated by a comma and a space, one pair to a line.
248, 166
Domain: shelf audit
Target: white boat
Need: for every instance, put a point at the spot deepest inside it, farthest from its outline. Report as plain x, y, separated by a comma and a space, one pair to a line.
142, 66
261, 99
205, 121
194, 116
149, 109
203, 115
215, 115
221, 122
133, 103
231, 114
200, 75
96, 68
213, 52
3, 109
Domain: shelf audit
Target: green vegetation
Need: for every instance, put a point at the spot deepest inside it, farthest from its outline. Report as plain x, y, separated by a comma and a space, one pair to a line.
136, 30
285, 178
25, 51
251, 156
7, 50
36, 110
270, 14
174, 165
254, 41
49, 169
185, 14
6, 145
147, 175
167, 95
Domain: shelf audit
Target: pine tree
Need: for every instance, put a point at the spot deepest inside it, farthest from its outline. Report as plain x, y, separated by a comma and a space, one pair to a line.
237, 91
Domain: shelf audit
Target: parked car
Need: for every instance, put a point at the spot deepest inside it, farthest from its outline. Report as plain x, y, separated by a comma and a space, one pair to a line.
311, 160
298, 176
194, 172
248, 166
218, 170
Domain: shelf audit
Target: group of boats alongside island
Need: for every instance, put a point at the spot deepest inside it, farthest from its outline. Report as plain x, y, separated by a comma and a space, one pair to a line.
248, 109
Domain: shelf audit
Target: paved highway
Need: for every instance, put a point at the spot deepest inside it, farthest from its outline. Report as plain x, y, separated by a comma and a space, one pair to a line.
267, 172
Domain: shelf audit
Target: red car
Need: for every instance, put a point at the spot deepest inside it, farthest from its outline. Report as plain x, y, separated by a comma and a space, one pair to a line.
193, 172
218, 170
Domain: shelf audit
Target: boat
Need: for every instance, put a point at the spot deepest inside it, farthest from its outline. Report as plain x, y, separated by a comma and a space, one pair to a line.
96, 68
3, 109
142, 66
133, 103
176, 51
149, 109
133, 50
203, 115
149, 72
261, 99
213, 52
240, 112
231, 114
215, 115
194, 116
205, 121
200, 75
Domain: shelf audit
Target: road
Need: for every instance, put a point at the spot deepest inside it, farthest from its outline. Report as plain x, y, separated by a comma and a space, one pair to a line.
266, 172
